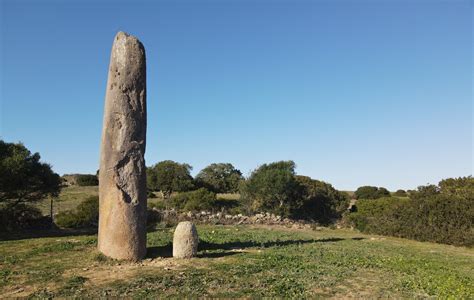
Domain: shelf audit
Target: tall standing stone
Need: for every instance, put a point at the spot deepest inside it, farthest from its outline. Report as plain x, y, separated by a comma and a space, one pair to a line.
122, 176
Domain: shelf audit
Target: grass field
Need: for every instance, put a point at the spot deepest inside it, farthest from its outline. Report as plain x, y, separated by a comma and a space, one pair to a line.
240, 261
71, 196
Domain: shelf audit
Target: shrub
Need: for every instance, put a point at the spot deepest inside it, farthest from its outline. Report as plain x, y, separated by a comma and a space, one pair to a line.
153, 217
87, 180
219, 178
273, 188
400, 193
86, 215
201, 199
371, 192
21, 216
432, 213
321, 201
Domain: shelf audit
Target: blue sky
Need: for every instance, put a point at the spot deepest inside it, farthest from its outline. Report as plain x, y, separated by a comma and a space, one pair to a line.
355, 92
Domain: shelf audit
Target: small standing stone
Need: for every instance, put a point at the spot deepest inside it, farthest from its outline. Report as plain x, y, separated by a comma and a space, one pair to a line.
185, 240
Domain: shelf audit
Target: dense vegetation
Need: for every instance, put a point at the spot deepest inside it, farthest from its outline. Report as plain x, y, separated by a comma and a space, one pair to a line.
87, 180
371, 192
220, 178
86, 215
197, 200
168, 177
276, 188
442, 213
24, 179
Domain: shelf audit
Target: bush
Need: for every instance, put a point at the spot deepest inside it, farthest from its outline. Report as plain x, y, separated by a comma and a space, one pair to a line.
433, 213
371, 192
273, 188
201, 199
22, 216
153, 217
400, 193
219, 178
322, 202
87, 180
86, 215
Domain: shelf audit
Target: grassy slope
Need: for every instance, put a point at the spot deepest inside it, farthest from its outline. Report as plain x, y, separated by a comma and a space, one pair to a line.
241, 261
71, 196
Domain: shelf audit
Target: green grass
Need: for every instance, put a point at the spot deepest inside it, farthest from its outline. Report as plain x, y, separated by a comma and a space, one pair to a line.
241, 261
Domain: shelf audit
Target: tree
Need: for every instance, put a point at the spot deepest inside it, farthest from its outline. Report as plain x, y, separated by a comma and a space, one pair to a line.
425, 191
321, 201
87, 180
371, 192
273, 188
23, 178
168, 177
220, 178
461, 186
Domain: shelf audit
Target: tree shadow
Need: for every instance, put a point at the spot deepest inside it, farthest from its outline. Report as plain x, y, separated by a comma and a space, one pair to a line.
45, 233
216, 254
166, 251
203, 245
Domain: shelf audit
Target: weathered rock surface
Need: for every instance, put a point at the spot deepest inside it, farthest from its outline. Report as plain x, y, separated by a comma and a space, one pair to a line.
185, 240
122, 176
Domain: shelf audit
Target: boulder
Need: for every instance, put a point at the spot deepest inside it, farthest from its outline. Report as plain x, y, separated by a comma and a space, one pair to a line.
185, 240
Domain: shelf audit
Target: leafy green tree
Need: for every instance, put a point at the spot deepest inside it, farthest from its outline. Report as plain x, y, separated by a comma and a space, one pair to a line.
220, 178
273, 188
322, 202
425, 191
461, 186
168, 177
23, 178
371, 192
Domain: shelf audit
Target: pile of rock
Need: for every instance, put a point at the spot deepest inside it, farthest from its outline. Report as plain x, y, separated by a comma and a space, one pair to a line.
206, 217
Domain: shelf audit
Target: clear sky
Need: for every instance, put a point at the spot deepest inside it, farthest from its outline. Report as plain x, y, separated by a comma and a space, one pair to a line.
355, 92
